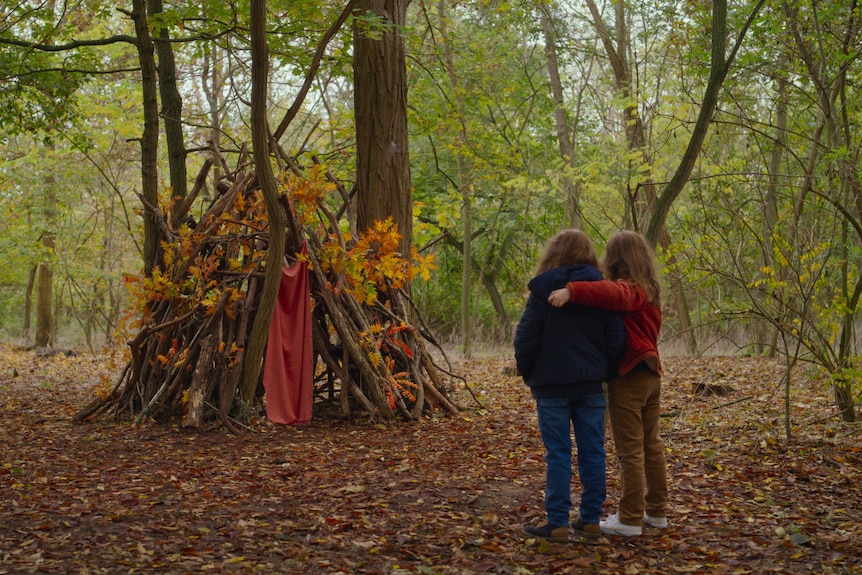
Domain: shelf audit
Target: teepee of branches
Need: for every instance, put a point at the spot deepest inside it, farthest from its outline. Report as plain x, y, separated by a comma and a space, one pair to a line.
195, 311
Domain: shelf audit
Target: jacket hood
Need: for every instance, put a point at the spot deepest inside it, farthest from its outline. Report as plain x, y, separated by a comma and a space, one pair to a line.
543, 284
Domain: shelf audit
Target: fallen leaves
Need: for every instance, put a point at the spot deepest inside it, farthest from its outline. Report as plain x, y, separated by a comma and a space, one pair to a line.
443, 496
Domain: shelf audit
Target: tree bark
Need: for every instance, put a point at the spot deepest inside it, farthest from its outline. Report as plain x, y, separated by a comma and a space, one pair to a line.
642, 198
565, 134
253, 359
770, 209
44, 337
201, 382
28, 301
380, 100
489, 281
150, 135
212, 84
45, 291
172, 107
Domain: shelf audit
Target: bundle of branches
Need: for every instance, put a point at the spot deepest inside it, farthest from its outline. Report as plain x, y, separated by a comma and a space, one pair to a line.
195, 311
365, 326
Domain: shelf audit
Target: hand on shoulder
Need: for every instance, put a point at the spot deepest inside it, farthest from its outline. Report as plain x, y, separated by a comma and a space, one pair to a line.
559, 297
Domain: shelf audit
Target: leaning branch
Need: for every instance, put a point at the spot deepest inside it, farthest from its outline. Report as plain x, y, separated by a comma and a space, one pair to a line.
72, 45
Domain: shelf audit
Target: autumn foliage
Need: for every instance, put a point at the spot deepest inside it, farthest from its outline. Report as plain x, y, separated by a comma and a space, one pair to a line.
190, 323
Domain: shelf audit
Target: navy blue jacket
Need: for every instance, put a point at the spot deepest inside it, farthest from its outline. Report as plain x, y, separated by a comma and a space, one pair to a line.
567, 351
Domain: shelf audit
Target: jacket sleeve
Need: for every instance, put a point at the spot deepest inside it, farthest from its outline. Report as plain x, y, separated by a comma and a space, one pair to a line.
619, 296
528, 338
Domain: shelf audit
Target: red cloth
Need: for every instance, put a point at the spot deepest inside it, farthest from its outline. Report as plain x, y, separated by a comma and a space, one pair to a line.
288, 371
641, 319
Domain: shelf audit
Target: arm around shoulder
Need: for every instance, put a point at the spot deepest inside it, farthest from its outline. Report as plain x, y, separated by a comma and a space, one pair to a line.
620, 296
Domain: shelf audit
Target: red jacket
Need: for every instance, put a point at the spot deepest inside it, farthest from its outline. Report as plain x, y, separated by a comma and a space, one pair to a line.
642, 319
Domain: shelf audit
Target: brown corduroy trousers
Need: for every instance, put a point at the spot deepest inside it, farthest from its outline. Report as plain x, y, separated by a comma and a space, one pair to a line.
634, 408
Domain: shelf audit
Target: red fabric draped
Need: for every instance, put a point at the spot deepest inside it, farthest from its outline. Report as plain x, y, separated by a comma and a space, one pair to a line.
288, 372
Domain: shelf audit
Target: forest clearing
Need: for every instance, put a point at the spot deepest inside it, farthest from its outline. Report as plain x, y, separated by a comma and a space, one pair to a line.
446, 494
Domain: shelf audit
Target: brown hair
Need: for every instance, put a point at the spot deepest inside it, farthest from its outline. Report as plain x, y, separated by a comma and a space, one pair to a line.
629, 257
568, 248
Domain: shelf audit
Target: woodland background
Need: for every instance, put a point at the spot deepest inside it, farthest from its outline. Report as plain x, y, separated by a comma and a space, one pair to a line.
523, 118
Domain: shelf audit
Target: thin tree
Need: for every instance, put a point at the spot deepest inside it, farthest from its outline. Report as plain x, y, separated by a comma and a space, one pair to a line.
150, 134
172, 105
252, 361
565, 132
720, 63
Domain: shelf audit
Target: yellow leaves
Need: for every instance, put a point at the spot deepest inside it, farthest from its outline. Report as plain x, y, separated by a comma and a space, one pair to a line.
384, 344
160, 286
376, 358
210, 301
332, 256
375, 258
364, 293
422, 265
306, 193
239, 203
375, 264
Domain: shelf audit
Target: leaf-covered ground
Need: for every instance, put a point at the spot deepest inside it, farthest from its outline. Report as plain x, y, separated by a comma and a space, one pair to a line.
445, 496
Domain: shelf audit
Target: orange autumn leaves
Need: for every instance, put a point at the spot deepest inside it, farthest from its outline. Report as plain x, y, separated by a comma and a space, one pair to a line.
370, 264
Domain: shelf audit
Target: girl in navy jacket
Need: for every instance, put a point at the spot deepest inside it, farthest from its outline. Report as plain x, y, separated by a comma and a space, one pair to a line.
564, 355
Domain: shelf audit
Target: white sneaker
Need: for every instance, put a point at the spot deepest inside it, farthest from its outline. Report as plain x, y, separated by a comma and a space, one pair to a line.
612, 526
659, 522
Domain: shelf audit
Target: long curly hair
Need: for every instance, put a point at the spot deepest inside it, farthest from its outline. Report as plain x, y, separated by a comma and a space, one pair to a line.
569, 247
628, 256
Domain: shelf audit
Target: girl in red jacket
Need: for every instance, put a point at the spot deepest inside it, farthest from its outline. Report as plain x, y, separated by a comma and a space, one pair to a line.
633, 397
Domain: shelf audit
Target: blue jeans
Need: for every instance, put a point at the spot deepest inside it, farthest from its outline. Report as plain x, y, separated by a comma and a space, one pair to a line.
557, 415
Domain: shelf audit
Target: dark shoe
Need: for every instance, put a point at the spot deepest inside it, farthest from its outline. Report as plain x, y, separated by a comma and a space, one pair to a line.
559, 534
591, 530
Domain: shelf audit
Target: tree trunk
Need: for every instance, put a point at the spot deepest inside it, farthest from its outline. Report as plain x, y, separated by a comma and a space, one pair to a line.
201, 382
44, 295
565, 135
28, 301
641, 201
172, 108
844, 189
380, 100
642, 198
766, 341
463, 185
44, 323
253, 359
212, 81
467, 274
150, 136
719, 66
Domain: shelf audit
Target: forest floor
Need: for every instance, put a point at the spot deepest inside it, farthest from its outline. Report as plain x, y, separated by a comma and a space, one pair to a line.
448, 495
